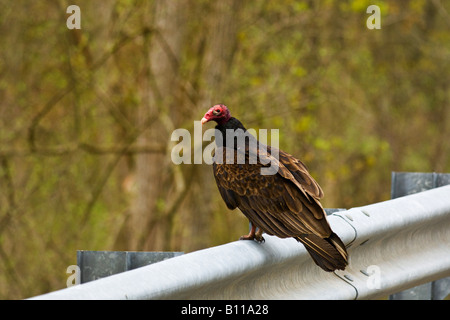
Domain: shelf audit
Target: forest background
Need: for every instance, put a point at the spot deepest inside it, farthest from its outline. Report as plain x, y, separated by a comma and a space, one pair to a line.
86, 115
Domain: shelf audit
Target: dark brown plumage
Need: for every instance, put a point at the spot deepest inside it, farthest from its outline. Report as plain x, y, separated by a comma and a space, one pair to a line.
284, 204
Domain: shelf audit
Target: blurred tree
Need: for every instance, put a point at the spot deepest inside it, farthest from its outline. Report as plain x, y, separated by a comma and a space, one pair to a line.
86, 115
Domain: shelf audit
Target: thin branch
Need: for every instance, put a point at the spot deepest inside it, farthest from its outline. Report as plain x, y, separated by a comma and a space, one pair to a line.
98, 188
125, 39
122, 149
6, 177
88, 148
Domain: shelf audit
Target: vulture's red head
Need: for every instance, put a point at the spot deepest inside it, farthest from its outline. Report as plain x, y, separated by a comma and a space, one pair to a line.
219, 113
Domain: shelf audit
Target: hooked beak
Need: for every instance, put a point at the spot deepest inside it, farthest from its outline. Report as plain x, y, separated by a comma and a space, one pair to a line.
204, 120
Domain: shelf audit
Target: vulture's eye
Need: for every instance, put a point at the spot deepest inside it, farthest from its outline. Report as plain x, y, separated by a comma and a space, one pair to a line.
216, 112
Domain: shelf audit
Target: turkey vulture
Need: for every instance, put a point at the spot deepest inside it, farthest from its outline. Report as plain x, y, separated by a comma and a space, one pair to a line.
284, 204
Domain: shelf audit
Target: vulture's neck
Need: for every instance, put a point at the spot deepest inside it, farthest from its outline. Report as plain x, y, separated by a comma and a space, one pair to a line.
230, 127
232, 123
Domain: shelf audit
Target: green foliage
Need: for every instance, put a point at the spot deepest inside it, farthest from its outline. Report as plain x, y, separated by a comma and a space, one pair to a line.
81, 108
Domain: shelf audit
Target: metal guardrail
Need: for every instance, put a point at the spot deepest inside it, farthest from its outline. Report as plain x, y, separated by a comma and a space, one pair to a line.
393, 245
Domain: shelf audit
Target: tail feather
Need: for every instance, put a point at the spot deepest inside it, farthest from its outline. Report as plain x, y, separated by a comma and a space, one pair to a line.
328, 253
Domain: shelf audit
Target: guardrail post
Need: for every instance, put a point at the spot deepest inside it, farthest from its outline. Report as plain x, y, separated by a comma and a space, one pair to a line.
99, 264
403, 184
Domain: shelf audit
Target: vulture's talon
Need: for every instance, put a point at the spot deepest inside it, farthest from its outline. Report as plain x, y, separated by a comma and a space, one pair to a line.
260, 240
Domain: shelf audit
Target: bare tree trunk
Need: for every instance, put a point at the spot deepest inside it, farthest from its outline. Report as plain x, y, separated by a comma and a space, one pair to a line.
161, 186
158, 90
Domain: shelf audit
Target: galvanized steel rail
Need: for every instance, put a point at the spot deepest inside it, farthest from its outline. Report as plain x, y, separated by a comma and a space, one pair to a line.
393, 245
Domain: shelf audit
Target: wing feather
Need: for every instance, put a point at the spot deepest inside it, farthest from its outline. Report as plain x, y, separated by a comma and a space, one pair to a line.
276, 203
